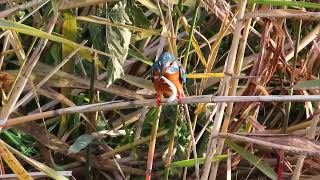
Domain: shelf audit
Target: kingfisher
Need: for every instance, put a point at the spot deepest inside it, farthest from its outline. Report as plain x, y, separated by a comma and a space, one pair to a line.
168, 77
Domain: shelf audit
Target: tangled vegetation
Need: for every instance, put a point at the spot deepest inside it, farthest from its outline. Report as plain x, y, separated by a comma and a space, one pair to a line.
77, 99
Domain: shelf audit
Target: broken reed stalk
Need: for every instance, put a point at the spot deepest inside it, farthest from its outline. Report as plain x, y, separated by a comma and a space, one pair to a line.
233, 89
152, 143
25, 73
248, 139
310, 134
284, 13
106, 106
224, 88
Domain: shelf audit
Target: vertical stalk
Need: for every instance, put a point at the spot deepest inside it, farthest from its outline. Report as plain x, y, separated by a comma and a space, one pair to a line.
194, 19
170, 147
88, 163
152, 144
177, 17
233, 90
69, 30
315, 119
192, 140
224, 91
288, 106
185, 171
91, 126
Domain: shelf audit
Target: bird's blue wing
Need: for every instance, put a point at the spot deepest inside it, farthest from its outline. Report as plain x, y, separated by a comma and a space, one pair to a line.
182, 73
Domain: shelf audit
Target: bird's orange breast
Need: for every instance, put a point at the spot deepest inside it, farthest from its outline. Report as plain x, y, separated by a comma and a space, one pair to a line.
162, 87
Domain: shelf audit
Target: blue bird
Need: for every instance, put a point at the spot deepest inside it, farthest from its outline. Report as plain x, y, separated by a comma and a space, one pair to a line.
168, 77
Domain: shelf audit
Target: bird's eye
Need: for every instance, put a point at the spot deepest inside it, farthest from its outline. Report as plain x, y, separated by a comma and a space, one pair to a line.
171, 63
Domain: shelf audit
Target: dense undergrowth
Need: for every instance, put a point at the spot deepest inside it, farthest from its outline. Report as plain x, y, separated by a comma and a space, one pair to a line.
61, 59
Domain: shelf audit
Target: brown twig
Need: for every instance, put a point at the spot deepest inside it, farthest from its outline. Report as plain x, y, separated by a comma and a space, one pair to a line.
152, 102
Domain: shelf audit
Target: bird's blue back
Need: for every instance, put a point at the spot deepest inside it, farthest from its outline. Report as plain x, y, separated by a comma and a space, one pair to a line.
166, 57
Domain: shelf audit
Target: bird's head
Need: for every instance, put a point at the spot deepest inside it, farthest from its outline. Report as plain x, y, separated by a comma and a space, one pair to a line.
166, 63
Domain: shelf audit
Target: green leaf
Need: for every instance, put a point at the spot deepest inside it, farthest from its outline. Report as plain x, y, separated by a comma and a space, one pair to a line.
105, 21
256, 161
81, 142
150, 6
117, 42
20, 14
55, 7
55, 52
309, 84
69, 31
84, 52
138, 82
97, 32
134, 52
137, 16
114, 70
287, 3
191, 162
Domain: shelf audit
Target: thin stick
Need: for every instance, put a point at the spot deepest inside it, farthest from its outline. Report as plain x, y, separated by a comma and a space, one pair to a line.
151, 102
270, 144
170, 147
152, 145
296, 173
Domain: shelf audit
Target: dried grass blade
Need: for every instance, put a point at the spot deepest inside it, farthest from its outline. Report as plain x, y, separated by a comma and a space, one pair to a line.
13, 163
25, 74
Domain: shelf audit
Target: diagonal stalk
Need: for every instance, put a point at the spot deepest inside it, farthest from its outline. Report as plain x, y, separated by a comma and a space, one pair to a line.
25, 73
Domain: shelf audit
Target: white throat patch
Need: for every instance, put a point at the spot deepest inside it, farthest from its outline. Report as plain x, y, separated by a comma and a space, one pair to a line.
173, 89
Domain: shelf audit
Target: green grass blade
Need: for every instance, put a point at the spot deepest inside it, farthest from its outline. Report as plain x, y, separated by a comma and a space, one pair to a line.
287, 3
24, 29
191, 162
256, 161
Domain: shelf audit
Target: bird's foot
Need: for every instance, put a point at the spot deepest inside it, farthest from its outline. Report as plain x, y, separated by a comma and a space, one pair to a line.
179, 98
158, 100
